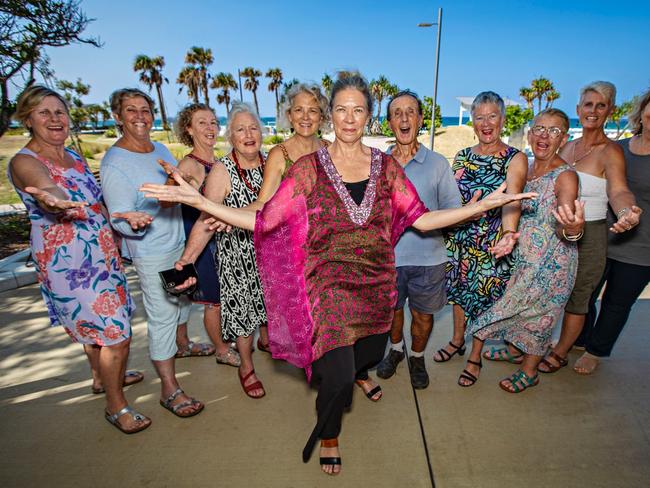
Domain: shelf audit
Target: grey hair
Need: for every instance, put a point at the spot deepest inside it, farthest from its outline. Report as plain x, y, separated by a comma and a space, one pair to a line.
241, 108
634, 117
603, 88
489, 97
310, 89
356, 81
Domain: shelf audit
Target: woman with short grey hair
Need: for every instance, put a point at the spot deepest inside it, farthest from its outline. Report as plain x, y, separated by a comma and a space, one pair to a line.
475, 277
235, 181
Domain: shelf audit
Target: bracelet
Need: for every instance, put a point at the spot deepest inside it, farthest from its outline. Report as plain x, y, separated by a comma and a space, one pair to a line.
622, 212
507, 232
574, 238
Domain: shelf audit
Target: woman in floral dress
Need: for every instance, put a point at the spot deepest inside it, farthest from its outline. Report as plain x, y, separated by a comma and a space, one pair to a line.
76, 258
475, 278
545, 263
324, 246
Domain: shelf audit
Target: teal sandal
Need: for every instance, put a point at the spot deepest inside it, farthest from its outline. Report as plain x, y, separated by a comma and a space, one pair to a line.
503, 354
518, 382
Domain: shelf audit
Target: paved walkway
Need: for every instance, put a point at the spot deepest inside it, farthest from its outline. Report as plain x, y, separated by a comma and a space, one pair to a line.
570, 431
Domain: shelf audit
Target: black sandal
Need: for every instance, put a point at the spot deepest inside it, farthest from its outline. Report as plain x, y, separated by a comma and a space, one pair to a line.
446, 356
330, 461
466, 375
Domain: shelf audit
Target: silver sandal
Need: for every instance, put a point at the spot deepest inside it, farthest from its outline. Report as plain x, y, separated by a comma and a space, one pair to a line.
167, 404
231, 358
112, 419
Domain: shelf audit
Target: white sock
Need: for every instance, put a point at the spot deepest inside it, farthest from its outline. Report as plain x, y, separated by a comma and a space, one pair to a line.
414, 354
399, 347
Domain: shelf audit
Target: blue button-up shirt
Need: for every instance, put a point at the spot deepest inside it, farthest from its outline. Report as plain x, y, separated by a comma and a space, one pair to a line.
432, 177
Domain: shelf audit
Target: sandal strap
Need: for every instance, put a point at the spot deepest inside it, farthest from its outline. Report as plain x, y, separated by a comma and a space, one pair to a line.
560, 360
373, 392
244, 378
185, 404
456, 348
330, 461
468, 376
126, 410
445, 355
479, 364
173, 396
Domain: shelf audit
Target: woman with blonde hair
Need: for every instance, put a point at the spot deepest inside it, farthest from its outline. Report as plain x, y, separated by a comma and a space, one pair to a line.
627, 271
78, 265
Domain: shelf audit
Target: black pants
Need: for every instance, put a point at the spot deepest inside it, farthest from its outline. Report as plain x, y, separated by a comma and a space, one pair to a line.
625, 282
335, 373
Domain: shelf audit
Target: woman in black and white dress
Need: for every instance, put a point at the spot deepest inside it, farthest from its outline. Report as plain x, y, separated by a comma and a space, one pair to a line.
235, 181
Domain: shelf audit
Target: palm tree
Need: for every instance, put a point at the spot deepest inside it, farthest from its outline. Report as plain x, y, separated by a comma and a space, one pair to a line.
326, 83
529, 95
275, 74
190, 77
551, 96
201, 58
151, 75
541, 86
224, 82
252, 83
380, 89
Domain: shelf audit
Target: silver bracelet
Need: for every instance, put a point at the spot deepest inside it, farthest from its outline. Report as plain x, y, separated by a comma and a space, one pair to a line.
622, 212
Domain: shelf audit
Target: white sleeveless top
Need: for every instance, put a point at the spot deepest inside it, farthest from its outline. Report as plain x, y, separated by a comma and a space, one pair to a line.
593, 191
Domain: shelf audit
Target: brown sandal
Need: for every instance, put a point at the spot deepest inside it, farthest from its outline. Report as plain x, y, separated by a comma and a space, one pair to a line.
552, 368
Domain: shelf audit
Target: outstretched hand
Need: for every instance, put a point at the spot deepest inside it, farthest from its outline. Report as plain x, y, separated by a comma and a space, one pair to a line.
216, 225
572, 222
137, 220
629, 219
51, 202
505, 245
183, 193
499, 198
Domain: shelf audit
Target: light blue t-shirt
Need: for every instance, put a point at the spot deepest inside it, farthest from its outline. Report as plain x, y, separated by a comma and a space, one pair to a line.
122, 173
432, 177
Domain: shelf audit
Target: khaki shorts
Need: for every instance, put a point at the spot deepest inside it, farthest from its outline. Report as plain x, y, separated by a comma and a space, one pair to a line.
592, 256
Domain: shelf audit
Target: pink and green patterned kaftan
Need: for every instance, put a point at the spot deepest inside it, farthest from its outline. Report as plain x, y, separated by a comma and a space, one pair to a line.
327, 265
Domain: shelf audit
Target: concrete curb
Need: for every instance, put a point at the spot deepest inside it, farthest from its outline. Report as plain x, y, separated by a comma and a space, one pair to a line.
17, 270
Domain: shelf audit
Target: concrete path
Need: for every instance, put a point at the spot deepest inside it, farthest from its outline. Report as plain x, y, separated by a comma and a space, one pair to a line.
570, 431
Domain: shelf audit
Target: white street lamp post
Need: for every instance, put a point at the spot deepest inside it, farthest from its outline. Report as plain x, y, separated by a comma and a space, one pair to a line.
435, 76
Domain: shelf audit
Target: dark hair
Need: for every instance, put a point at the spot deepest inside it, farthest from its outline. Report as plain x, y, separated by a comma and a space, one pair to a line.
404, 93
351, 79
555, 112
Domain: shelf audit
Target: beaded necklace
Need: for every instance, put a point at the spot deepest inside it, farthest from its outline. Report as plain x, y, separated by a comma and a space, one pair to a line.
242, 176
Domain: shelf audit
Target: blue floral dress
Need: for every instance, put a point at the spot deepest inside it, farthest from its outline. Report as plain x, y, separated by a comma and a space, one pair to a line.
543, 274
475, 278
78, 264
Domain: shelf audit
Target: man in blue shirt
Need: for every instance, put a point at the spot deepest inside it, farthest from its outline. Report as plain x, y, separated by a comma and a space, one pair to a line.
419, 257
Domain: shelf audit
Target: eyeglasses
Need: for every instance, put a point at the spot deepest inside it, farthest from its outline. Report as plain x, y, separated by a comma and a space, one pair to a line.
553, 132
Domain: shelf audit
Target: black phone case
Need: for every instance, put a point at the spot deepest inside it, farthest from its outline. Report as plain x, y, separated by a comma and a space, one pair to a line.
171, 278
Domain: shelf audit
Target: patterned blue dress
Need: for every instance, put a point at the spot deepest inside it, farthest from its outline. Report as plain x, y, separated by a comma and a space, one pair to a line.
77, 261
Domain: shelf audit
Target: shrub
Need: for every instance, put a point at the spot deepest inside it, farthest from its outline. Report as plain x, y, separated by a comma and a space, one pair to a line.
112, 132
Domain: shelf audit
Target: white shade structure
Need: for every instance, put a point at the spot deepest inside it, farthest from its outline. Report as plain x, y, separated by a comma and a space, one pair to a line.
466, 105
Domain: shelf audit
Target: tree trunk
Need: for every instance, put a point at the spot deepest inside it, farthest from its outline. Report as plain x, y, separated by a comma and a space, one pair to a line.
161, 103
257, 107
277, 109
226, 97
6, 110
205, 92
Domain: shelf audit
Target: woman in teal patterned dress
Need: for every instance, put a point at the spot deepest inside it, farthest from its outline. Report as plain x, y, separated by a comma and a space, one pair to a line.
545, 263
475, 278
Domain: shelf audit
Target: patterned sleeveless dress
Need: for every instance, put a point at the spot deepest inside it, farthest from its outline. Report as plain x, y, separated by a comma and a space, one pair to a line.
242, 301
475, 279
543, 274
77, 261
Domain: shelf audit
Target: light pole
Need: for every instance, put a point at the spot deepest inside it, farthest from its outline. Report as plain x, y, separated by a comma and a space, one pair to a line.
241, 93
435, 76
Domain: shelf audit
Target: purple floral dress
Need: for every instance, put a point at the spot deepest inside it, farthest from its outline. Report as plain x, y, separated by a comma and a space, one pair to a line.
78, 265
542, 278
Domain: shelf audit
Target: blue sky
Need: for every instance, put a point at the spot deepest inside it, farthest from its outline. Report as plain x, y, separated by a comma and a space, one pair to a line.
498, 45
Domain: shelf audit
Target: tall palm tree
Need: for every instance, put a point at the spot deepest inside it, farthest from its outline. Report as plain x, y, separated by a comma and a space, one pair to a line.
528, 94
190, 77
541, 86
551, 96
224, 82
201, 58
326, 83
252, 83
151, 75
380, 89
275, 75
